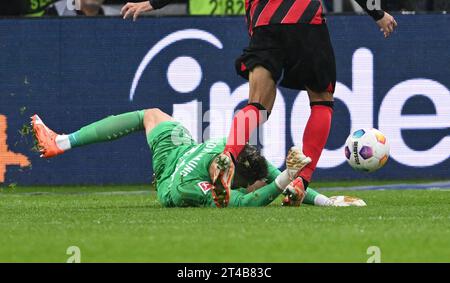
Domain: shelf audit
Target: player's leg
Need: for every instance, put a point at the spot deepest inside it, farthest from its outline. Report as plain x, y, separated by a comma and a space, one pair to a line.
313, 69
159, 129
317, 130
262, 95
168, 140
320, 86
262, 88
313, 197
153, 117
107, 129
245, 122
163, 135
261, 64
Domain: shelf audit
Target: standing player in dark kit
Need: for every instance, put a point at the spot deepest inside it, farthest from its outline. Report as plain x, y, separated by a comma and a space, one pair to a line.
289, 45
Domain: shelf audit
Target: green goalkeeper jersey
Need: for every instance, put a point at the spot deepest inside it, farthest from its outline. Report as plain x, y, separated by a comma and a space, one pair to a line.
189, 183
182, 170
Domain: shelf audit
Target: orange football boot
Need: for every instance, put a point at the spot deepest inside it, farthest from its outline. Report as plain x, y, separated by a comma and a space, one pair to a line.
221, 172
295, 193
46, 138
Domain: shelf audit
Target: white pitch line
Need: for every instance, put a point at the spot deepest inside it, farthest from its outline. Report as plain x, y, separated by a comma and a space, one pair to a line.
443, 186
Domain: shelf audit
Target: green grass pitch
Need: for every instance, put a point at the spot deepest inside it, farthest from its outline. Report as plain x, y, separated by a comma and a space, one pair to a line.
127, 224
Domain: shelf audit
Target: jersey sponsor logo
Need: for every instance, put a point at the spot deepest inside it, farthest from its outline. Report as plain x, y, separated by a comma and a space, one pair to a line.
205, 186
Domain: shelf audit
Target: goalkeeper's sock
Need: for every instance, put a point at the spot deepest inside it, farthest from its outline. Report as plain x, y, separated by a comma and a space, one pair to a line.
63, 142
108, 129
322, 200
313, 197
245, 122
316, 134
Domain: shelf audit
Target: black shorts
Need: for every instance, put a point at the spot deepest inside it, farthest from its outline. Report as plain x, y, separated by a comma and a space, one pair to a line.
301, 55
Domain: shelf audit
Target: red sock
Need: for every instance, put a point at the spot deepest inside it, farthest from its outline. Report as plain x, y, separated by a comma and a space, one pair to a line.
315, 136
245, 122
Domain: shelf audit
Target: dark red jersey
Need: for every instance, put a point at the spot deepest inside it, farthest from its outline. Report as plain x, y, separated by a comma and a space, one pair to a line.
266, 12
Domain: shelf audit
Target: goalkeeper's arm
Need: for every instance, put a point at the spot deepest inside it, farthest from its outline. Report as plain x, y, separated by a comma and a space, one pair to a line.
277, 183
261, 197
267, 194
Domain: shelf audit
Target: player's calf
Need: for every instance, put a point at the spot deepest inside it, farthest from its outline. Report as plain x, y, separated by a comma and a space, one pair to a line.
153, 117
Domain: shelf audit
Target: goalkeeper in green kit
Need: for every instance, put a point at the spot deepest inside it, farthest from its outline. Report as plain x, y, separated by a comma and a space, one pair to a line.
185, 171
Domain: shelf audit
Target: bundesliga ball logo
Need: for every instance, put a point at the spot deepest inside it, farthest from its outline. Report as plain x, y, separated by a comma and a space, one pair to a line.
367, 150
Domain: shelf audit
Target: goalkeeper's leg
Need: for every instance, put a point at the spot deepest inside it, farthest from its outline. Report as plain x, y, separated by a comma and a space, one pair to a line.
312, 197
107, 129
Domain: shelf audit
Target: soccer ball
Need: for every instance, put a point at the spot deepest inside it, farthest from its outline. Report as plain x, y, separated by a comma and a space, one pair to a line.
367, 150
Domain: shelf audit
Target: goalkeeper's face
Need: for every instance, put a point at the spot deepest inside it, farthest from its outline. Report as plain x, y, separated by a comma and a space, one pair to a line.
251, 166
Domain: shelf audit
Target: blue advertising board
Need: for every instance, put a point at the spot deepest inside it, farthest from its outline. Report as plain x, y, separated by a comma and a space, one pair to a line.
76, 71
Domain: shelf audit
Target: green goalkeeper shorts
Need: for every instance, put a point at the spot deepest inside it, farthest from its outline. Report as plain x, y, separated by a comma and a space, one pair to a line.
168, 141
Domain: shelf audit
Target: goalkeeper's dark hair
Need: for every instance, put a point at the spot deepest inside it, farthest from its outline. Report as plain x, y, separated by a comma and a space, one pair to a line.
251, 165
